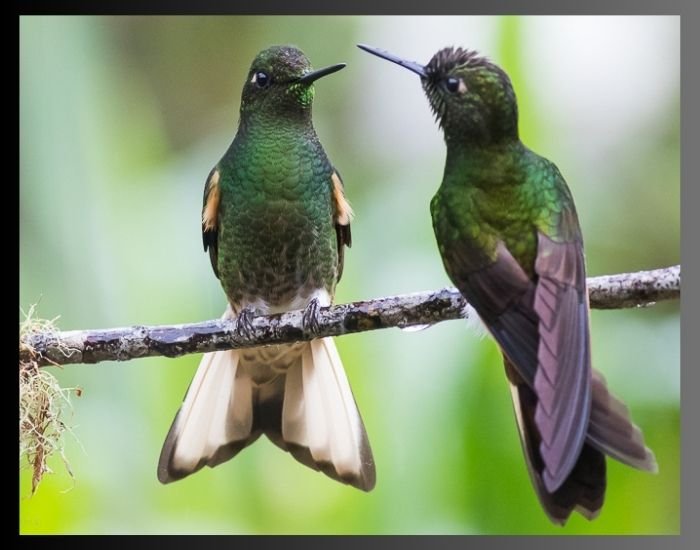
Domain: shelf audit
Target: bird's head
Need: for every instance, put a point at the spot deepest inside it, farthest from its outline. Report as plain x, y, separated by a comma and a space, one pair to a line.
472, 98
280, 82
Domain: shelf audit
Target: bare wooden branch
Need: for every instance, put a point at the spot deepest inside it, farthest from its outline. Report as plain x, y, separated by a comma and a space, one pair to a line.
640, 289
624, 290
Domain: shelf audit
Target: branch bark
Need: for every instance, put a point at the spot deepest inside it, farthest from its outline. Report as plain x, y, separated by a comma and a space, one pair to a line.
624, 290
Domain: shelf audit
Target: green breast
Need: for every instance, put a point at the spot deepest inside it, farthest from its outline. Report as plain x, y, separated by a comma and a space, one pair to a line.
276, 232
500, 196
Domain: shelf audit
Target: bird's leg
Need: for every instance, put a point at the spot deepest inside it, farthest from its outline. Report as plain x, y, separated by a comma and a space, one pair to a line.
244, 323
309, 319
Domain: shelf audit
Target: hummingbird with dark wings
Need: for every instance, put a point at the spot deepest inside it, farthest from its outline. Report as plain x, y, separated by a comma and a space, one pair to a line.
275, 222
509, 237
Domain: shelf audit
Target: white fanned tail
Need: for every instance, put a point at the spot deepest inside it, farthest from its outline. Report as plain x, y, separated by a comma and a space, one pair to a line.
309, 411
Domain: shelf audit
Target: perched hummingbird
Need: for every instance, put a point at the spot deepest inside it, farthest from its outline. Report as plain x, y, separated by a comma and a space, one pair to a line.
275, 221
509, 237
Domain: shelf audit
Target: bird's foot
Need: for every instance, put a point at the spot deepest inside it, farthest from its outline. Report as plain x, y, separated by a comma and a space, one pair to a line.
244, 323
310, 318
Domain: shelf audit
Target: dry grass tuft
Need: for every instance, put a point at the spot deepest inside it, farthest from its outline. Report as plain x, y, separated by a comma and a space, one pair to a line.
43, 405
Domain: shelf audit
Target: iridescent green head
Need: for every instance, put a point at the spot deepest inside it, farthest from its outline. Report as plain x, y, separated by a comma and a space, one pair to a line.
280, 82
472, 98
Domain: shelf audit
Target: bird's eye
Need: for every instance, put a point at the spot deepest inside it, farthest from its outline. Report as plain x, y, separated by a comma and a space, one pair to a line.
261, 79
452, 84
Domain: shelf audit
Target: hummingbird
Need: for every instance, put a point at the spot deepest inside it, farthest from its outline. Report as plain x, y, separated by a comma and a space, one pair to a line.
509, 237
275, 221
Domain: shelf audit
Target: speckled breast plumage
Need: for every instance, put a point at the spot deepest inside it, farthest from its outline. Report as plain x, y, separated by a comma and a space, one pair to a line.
277, 240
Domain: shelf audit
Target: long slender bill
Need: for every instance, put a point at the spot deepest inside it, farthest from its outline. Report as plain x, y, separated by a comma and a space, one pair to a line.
410, 65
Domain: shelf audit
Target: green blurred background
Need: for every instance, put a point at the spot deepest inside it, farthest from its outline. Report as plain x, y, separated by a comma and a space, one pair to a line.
121, 121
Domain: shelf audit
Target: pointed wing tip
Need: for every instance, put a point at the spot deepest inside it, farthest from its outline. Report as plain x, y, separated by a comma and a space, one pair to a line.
645, 463
650, 464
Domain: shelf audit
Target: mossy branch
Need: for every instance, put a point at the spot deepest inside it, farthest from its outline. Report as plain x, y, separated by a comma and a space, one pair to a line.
624, 290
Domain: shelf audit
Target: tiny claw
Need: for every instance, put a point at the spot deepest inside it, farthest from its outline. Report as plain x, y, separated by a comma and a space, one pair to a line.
310, 318
244, 323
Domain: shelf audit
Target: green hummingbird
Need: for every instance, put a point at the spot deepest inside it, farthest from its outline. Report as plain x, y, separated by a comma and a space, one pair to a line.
275, 221
508, 233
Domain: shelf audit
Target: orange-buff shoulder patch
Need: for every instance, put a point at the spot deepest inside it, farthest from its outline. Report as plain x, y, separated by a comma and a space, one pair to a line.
211, 209
343, 210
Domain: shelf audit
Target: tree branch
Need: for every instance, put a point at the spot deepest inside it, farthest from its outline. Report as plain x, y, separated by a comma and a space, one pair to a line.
45, 347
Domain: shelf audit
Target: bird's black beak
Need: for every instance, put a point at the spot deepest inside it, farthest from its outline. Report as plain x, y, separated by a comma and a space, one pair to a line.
308, 78
410, 65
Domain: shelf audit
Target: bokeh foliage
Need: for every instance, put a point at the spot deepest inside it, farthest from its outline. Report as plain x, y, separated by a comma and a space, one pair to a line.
121, 119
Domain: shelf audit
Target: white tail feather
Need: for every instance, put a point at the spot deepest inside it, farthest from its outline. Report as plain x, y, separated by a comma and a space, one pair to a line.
293, 415
320, 414
315, 417
345, 438
216, 412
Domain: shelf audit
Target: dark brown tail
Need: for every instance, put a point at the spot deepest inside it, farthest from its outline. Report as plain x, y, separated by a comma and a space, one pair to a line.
610, 432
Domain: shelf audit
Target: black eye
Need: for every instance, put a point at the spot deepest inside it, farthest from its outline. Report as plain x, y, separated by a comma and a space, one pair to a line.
261, 79
452, 84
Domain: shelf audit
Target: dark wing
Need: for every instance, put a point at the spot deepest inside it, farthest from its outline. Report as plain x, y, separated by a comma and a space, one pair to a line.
563, 379
210, 217
342, 216
541, 325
